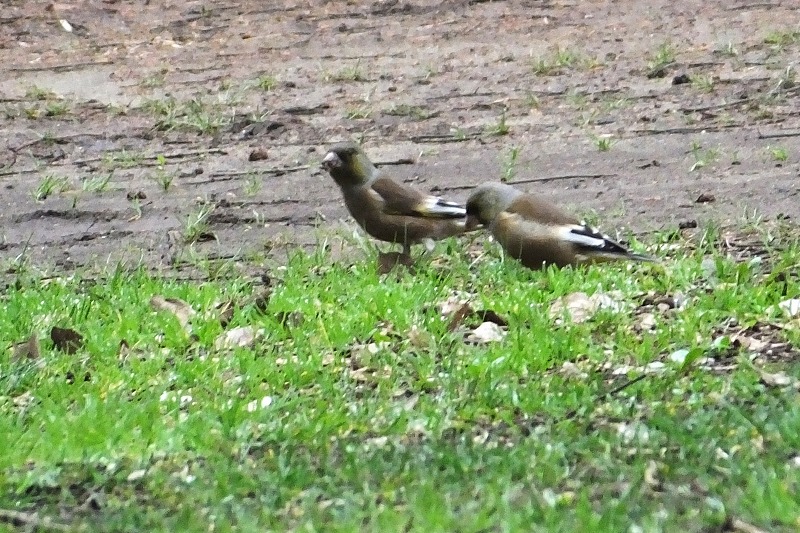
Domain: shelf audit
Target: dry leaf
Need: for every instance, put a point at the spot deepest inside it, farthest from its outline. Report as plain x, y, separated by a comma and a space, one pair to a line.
647, 322
571, 370
261, 300
65, 339
28, 349
790, 307
255, 405
751, 344
777, 379
240, 337
225, 312
487, 315
679, 356
124, 351
387, 261
651, 476
453, 303
419, 338
580, 307
290, 318
458, 316
182, 311
485, 333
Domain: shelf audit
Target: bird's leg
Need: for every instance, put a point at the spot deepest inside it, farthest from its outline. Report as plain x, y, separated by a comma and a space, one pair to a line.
406, 249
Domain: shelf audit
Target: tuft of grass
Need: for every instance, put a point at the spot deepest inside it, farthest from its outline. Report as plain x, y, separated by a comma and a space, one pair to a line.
197, 226
38, 93
663, 57
49, 185
266, 82
350, 73
161, 176
782, 38
702, 82
97, 183
728, 49
559, 60
604, 142
509, 164
532, 100
253, 184
122, 159
56, 108
157, 79
778, 153
406, 110
501, 127
703, 157
358, 112
194, 115
358, 406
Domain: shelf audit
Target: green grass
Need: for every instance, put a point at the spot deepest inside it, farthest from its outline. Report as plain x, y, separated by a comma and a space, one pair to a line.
48, 186
340, 419
197, 115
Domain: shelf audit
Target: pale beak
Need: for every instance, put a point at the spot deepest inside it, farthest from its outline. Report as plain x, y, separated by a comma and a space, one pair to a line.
472, 223
331, 161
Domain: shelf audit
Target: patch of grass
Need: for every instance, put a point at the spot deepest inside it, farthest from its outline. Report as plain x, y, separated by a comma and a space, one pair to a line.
266, 82
38, 93
728, 49
406, 110
703, 157
157, 79
557, 61
509, 164
97, 183
350, 73
56, 108
197, 226
458, 133
358, 112
604, 142
778, 153
663, 57
787, 80
253, 184
782, 38
122, 159
577, 99
32, 111
49, 185
702, 82
357, 408
161, 175
501, 127
532, 100
195, 115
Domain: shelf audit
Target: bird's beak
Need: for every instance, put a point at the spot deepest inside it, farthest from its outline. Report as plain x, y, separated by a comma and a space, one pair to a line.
472, 223
331, 161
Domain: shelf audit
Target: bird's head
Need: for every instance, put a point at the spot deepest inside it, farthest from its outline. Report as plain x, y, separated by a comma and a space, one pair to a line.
488, 201
348, 165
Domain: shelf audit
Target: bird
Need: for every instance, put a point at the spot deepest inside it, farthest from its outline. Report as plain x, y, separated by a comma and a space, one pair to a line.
538, 233
387, 210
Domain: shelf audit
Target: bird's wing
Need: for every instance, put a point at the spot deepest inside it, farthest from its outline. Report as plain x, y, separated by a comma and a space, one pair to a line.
402, 200
592, 241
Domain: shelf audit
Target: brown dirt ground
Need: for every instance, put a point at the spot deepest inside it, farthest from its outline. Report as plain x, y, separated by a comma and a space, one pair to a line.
422, 82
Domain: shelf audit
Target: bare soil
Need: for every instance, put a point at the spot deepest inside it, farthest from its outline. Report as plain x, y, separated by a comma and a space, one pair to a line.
231, 104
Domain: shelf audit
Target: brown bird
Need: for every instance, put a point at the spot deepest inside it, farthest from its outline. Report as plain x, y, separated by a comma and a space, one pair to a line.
387, 210
538, 233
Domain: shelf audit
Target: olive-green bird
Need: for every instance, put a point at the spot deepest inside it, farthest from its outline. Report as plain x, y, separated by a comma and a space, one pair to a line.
537, 233
387, 210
